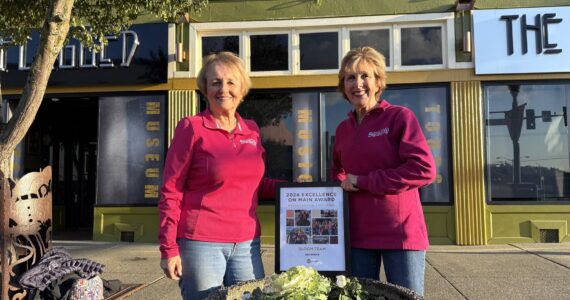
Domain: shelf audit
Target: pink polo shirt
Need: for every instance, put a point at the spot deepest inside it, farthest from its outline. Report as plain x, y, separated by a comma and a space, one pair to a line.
211, 183
391, 158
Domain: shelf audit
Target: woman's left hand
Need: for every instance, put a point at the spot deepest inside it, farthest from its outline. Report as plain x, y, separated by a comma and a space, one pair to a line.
349, 184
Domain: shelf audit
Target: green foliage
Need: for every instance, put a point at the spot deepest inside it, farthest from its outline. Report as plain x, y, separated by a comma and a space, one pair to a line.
90, 19
298, 283
348, 289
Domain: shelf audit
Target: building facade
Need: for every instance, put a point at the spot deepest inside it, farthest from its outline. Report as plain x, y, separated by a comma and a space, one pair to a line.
489, 84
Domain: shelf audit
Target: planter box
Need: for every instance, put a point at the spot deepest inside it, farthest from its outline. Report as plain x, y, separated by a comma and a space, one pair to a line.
374, 288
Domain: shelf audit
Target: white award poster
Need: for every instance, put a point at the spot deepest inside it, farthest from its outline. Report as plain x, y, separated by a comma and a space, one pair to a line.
311, 225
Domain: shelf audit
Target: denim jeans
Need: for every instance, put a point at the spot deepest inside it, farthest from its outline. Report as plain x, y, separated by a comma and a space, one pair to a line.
402, 267
208, 265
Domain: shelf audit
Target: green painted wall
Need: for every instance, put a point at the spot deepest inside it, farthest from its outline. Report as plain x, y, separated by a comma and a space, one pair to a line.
266, 215
109, 222
522, 223
440, 221
286, 9
143, 221
247, 10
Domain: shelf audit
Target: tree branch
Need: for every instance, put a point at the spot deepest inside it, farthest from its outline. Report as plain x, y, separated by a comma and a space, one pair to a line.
53, 35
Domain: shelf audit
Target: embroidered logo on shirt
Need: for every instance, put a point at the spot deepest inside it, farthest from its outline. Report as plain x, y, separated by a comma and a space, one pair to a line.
248, 141
379, 132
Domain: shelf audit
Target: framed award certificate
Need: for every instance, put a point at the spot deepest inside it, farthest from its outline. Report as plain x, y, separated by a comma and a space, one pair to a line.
312, 228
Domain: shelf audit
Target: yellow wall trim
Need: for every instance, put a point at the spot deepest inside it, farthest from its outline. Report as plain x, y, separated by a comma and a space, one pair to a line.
307, 81
468, 162
98, 89
180, 104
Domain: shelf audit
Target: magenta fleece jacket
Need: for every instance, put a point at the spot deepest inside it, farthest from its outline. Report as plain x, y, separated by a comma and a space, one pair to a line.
211, 183
391, 159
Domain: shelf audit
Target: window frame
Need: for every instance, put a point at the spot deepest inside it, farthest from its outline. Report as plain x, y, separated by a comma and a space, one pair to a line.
390, 29
297, 52
398, 47
247, 53
446, 21
487, 176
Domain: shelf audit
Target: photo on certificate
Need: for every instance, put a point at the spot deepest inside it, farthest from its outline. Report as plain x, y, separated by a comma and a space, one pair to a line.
312, 228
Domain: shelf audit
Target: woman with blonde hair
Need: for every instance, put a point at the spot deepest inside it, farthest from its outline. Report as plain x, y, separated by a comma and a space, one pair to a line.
381, 158
213, 176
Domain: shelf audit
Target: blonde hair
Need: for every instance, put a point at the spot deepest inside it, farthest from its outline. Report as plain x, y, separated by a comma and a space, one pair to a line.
229, 60
366, 55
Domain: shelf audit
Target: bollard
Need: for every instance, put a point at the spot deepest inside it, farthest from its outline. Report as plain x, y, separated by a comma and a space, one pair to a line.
26, 227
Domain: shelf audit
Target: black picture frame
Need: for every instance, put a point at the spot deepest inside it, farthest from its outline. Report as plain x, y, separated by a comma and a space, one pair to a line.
295, 242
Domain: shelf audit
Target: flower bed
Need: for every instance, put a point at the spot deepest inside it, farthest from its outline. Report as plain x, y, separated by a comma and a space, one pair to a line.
311, 287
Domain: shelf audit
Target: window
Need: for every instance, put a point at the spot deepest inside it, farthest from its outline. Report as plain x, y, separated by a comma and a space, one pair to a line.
272, 112
269, 52
315, 46
421, 46
527, 141
319, 51
214, 44
429, 103
378, 39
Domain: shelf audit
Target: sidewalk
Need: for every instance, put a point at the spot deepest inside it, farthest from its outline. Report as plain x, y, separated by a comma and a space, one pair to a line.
515, 271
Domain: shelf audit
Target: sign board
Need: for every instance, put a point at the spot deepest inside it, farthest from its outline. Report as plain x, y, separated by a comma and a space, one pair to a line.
138, 55
131, 149
312, 227
522, 40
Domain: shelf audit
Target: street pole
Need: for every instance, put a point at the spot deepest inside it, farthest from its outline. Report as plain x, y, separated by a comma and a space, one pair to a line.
515, 128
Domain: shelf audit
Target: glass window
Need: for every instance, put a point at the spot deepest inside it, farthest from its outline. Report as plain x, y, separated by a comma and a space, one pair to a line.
214, 44
319, 51
527, 141
269, 52
272, 111
429, 103
378, 39
421, 46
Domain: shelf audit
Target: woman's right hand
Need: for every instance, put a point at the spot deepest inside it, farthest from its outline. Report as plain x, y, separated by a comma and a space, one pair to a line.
172, 267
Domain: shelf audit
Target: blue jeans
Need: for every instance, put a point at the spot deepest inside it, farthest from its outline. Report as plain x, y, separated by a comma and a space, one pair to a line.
208, 265
402, 267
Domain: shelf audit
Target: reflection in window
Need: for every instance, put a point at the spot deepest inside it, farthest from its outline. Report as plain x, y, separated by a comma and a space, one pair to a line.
378, 39
270, 52
319, 51
214, 44
527, 141
429, 104
273, 114
421, 46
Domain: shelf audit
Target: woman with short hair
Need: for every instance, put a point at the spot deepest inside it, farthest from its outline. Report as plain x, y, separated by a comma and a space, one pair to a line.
213, 176
381, 158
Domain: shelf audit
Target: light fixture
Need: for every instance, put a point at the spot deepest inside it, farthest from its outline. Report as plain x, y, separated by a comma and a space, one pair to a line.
467, 41
463, 5
55, 99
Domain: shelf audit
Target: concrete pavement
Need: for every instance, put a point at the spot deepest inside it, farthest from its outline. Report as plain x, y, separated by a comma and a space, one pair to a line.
515, 271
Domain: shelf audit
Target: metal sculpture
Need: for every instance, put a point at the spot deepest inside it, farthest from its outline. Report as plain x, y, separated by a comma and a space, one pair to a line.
26, 226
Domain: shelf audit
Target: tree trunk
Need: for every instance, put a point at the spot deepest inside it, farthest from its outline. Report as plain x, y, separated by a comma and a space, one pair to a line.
53, 35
